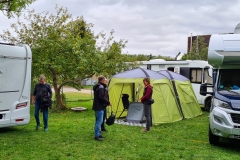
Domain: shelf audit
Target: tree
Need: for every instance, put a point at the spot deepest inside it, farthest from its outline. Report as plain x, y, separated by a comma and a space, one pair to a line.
66, 50
10, 7
199, 50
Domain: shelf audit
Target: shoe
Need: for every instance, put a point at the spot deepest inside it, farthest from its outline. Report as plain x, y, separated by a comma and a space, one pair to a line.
101, 136
145, 130
103, 130
37, 127
98, 139
46, 129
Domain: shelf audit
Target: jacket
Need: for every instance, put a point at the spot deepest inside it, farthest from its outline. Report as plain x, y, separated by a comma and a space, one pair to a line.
147, 94
101, 98
41, 90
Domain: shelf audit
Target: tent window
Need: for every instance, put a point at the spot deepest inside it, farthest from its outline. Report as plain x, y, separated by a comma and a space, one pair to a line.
149, 66
196, 75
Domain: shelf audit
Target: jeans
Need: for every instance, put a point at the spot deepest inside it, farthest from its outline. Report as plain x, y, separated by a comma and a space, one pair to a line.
45, 114
104, 117
147, 114
99, 120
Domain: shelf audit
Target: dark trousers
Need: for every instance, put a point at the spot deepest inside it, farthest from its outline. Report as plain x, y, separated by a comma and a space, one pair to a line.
148, 116
45, 114
104, 118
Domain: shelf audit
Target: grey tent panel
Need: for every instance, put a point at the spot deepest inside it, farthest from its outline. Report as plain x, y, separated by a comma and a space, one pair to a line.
139, 73
176, 76
135, 112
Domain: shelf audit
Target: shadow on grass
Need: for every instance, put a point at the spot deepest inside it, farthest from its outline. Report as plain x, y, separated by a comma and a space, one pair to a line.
9, 129
79, 100
229, 144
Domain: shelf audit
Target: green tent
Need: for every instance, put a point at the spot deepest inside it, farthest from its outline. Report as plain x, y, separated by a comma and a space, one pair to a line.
187, 98
164, 110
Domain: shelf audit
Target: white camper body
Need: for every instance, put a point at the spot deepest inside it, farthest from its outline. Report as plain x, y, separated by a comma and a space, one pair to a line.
224, 55
15, 84
197, 71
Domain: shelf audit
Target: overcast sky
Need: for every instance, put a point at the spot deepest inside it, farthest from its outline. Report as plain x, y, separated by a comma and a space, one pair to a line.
160, 27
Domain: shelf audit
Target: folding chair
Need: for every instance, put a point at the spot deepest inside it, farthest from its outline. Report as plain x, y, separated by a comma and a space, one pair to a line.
125, 103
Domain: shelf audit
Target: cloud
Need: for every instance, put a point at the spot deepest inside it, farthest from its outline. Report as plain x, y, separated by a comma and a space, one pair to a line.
153, 26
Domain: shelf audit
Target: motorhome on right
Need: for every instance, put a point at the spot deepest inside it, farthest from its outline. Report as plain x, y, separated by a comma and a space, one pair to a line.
224, 56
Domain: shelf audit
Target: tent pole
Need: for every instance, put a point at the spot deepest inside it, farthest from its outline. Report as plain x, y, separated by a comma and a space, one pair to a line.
175, 91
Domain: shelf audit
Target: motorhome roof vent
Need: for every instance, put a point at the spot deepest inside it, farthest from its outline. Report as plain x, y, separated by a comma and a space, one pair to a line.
237, 29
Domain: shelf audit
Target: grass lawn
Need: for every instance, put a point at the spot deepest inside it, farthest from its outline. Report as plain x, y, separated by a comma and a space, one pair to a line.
70, 136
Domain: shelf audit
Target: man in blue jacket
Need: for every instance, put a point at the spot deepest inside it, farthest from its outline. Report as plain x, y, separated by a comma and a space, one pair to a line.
100, 102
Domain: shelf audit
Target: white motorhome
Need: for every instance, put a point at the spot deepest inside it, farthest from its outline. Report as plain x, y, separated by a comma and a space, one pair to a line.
197, 71
15, 84
224, 56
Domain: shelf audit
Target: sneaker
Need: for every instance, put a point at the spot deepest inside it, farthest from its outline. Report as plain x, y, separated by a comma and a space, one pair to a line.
101, 136
145, 130
46, 129
98, 139
37, 127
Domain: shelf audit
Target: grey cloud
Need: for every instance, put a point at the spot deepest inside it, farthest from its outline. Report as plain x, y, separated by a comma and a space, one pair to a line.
160, 27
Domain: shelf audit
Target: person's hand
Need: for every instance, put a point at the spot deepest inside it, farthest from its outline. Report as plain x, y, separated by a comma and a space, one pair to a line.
110, 104
33, 101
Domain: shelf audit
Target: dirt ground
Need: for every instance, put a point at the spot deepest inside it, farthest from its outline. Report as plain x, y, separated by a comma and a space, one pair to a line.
69, 89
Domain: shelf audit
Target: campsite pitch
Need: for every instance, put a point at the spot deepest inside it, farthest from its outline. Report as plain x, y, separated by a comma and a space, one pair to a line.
70, 136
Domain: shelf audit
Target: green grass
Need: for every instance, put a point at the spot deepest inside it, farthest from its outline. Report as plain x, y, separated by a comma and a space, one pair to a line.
70, 136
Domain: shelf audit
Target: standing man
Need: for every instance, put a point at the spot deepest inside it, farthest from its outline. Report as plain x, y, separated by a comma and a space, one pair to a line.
42, 92
147, 94
100, 103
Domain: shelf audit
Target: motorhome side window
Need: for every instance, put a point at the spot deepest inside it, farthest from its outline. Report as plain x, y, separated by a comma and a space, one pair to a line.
149, 66
170, 69
196, 75
229, 79
208, 78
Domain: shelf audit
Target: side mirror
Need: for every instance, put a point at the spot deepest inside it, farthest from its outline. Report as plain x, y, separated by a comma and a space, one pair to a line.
203, 89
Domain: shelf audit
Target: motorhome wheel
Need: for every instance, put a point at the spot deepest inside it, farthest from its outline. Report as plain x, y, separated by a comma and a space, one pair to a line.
213, 139
208, 105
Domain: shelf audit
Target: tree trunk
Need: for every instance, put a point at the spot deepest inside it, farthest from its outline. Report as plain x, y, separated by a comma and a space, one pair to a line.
60, 104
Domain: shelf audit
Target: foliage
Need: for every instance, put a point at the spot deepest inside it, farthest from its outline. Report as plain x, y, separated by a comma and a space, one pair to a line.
199, 50
65, 50
70, 136
11, 7
143, 57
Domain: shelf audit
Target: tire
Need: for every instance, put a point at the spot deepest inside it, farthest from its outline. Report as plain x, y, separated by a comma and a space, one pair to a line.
208, 105
213, 139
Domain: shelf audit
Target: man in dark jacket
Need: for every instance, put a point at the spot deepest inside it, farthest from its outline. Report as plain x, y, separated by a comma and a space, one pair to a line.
100, 103
147, 94
41, 92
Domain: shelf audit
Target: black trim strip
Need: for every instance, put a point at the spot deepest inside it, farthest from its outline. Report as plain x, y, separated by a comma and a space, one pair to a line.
11, 57
7, 44
9, 91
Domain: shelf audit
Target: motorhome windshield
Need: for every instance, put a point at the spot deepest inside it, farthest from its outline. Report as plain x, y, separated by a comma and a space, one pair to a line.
229, 81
